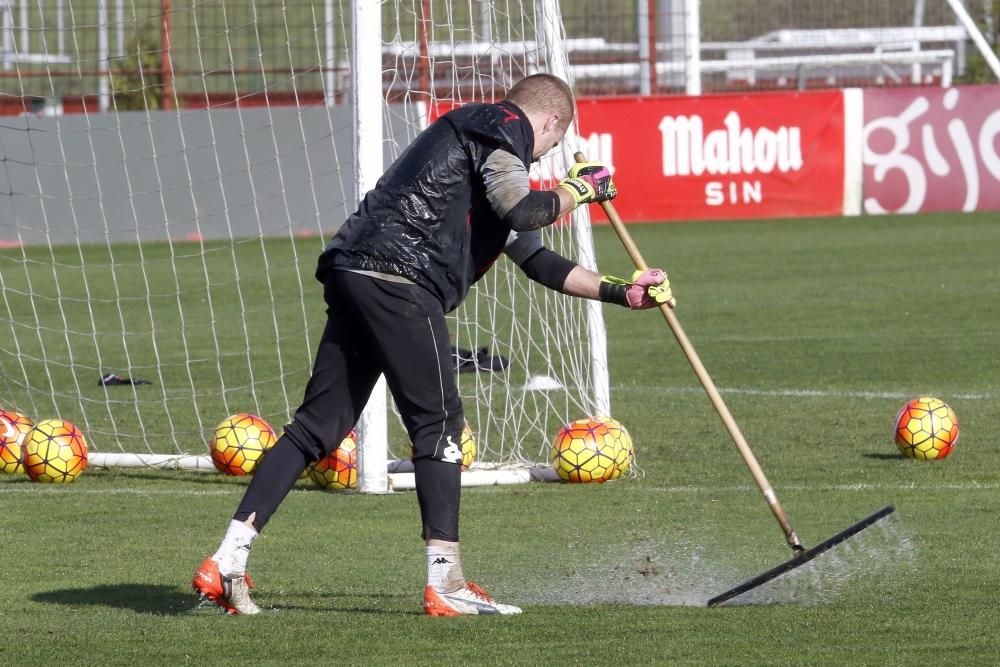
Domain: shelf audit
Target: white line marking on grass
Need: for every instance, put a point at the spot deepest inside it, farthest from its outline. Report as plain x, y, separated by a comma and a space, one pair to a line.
802, 393
54, 489
865, 486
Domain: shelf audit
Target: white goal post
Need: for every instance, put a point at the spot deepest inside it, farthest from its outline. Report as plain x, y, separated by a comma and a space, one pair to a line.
163, 225
366, 95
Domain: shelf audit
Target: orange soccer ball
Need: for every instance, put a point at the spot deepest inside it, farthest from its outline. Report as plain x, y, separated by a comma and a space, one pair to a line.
926, 429
14, 430
55, 452
339, 469
239, 442
596, 449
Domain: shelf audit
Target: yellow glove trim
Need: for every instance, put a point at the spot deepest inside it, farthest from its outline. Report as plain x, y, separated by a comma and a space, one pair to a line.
660, 293
582, 191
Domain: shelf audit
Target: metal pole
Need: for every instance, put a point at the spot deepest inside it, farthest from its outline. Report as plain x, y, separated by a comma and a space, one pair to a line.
103, 89
166, 65
960, 52
8, 38
486, 20
329, 75
692, 46
653, 56
919, 8
60, 27
976, 36
946, 73
119, 28
642, 36
25, 31
424, 64
989, 21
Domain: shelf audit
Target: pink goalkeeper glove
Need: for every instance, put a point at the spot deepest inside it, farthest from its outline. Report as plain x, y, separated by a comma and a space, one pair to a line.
646, 289
589, 182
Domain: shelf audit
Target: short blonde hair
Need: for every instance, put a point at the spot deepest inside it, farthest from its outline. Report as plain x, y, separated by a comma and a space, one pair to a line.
545, 93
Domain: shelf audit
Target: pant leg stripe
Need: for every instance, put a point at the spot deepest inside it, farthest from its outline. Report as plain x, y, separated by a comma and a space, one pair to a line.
444, 407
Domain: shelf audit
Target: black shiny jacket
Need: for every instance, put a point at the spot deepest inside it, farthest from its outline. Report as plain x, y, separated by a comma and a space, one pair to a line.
427, 219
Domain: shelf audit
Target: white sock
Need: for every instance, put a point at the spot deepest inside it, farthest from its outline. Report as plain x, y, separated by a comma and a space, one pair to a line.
235, 549
444, 567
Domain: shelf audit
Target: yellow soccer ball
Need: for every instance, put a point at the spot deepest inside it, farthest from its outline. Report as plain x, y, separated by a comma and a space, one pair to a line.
926, 429
55, 452
239, 442
468, 447
596, 449
339, 469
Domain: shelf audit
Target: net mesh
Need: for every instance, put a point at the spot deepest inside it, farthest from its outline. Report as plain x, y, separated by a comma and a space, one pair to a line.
170, 172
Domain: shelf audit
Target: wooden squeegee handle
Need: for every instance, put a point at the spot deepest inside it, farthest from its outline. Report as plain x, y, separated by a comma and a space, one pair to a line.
706, 382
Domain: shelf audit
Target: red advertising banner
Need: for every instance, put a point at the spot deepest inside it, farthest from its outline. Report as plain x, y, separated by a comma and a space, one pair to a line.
720, 156
932, 149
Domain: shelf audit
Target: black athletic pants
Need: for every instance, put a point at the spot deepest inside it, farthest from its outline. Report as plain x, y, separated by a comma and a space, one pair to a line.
373, 327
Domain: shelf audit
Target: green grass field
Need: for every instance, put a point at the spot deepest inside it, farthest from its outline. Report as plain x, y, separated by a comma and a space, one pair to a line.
816, 331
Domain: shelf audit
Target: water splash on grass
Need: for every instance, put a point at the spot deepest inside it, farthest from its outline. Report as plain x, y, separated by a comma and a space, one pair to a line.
880, 552
645, 570
641, 571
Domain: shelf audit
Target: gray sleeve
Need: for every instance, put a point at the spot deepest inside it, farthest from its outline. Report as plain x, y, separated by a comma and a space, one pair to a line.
522, 245
506, 181
511, 197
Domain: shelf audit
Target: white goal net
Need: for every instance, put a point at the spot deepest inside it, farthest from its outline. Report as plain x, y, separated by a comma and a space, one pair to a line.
169, 173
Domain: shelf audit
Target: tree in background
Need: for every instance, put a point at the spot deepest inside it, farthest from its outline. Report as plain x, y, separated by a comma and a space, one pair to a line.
138, 79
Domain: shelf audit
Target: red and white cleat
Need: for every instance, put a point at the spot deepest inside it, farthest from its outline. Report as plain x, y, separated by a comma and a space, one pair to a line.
230, 593
469, 600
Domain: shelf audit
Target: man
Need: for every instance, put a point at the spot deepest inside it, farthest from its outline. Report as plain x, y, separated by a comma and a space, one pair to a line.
434, 224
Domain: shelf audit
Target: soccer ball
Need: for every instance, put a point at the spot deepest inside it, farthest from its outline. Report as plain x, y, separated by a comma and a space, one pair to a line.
596, 449
626, 449
55, 452
239, 442
469, 448
14, 430
339, 469
926, 429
